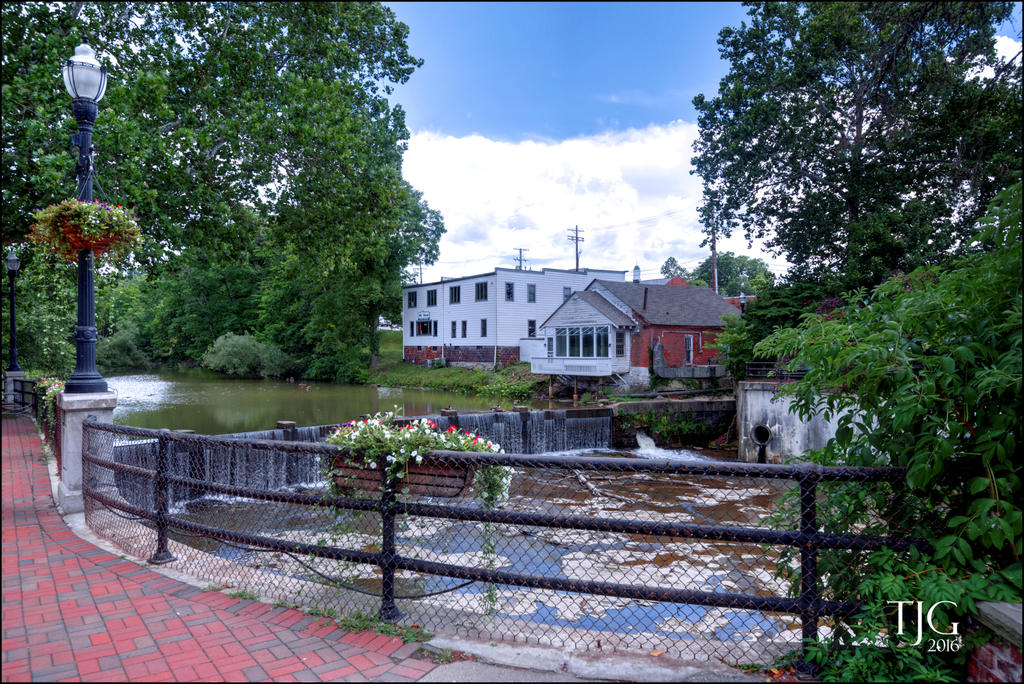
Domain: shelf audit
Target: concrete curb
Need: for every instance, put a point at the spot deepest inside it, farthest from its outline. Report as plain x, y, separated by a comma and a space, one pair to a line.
581, 666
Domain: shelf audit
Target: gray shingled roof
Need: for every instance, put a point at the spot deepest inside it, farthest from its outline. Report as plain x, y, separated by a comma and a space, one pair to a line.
615, 316
672, 304
606, 309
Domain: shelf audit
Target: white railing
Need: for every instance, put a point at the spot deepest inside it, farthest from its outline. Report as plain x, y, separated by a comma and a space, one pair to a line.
543, 365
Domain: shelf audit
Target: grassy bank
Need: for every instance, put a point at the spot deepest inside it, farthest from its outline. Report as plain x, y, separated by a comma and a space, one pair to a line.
513, 382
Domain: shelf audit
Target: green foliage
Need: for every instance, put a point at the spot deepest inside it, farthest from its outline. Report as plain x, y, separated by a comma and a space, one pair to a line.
269, 190
735, 346
856, 138
245, 594
246, 356
736, 274
362, 622
444, 656
923, 373
45, 306
671, 428
514, 382
120, 351
189, 131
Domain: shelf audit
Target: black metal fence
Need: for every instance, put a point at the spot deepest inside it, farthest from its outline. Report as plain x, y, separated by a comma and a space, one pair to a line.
593, 553
23, 395
772, 370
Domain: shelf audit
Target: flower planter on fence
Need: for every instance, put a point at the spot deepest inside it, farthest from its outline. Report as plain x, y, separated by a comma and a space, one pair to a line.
430, 478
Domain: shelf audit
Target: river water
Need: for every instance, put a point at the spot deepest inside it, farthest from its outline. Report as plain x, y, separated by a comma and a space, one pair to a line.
211, 404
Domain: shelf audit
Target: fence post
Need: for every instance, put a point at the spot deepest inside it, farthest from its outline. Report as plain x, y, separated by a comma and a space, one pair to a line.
389, 612
809, 599
160, 500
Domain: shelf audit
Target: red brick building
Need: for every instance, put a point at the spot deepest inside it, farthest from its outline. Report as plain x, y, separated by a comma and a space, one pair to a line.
626, 331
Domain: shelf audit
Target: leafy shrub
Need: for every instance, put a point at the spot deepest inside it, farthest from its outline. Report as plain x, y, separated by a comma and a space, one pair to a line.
246, 356
120, 351
923, 373
735, 345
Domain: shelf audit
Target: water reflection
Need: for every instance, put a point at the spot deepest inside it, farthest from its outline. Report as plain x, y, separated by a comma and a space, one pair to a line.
210, 403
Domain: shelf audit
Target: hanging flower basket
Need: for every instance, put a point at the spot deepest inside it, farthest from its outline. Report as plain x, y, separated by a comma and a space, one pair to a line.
73, 225
403, 451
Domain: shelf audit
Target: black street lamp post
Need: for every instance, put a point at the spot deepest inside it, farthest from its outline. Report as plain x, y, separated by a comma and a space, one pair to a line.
12, 264
86, 81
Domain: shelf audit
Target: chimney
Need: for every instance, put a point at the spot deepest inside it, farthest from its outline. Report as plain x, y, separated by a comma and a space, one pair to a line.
645, 299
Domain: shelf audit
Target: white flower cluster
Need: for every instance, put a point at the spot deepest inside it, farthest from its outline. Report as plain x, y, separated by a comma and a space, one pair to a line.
377, 436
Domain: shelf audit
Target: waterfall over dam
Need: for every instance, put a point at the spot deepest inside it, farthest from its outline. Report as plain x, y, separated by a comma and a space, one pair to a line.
266, 468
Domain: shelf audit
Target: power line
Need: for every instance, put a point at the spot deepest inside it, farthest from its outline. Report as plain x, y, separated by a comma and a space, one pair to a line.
647, 220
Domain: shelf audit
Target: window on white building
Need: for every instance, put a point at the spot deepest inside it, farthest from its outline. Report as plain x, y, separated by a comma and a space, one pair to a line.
585, 342
531, 293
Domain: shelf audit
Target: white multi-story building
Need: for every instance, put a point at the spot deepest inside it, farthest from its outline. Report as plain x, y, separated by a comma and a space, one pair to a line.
486, 318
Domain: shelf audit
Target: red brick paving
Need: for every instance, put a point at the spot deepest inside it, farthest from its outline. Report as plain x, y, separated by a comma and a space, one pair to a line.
74, 612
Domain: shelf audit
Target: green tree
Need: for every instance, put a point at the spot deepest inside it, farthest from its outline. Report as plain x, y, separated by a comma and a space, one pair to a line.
923, 373
672, 269
204, 105
255, 139
45, 291
736, 274
859, 138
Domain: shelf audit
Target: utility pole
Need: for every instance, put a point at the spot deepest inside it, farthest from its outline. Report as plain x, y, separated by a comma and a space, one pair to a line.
574, 236
421, 273
714, 264
519, 259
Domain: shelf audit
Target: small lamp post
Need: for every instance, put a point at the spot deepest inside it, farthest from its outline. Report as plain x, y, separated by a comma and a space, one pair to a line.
743, 303
12, 264
86, 81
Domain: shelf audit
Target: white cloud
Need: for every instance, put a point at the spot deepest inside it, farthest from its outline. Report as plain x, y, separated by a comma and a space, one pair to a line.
630, 192
1007, 49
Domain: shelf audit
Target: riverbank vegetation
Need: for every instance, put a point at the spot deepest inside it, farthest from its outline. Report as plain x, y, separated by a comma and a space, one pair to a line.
514, 382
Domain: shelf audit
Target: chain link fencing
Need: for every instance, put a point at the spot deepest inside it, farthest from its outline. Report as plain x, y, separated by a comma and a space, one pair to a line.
698, 560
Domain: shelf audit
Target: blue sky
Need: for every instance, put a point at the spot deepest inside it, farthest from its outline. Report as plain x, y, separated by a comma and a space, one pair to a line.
530, 118
520, 71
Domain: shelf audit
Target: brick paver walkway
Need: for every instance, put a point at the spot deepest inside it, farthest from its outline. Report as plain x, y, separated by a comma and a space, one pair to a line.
72, 611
